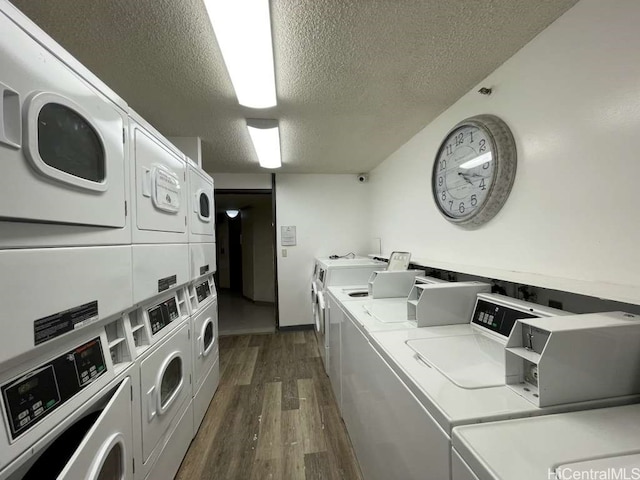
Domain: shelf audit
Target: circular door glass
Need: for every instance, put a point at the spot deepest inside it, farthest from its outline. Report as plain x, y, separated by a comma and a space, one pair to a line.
170, 380
68, 142
112, 466
204, 205
208, 336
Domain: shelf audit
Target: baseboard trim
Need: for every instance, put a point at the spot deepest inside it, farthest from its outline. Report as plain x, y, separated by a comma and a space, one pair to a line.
296, 328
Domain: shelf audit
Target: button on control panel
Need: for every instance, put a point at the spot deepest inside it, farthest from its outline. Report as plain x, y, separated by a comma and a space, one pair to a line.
163, 314
497, 318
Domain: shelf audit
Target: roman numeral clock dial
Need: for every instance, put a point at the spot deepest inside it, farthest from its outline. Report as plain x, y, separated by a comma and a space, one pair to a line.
474, 170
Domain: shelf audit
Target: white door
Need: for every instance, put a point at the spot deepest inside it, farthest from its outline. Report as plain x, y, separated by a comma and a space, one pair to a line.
106, 452
164, 378
205, 339
201, 209
160, 175
61, 143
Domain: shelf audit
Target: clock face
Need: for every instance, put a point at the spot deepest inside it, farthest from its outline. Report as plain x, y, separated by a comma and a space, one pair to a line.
464, 171
474, 170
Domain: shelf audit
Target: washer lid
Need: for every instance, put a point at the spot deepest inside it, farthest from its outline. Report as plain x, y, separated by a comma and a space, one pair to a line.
469, 361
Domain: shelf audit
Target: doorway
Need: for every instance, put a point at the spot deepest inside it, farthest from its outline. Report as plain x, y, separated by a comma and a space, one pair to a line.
246, 273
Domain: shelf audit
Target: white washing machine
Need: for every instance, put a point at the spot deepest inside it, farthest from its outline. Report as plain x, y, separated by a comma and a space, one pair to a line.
159, 188
602, 443
206, 364
161, 334
416, 395
62, 143
70, 411
330, 272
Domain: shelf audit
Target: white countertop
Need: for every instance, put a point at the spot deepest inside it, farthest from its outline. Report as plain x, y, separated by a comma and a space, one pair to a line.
597, 440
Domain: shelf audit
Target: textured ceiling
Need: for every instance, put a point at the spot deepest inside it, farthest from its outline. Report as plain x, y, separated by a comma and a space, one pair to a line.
355, 78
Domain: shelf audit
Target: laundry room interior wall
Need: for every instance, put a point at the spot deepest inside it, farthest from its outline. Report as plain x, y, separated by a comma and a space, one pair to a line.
571, 100
241, 181
331, 216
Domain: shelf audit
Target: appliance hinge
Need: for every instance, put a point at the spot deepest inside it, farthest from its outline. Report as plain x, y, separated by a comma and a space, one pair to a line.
189, 379
189, 334
134, 465
124, 135
185, 221
132, 393
125, 208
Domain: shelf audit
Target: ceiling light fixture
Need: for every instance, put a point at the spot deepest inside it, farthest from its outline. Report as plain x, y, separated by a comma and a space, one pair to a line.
232, 213
265, 135
243, 30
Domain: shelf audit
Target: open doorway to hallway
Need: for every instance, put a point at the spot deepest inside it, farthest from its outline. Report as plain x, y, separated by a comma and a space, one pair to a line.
246, 275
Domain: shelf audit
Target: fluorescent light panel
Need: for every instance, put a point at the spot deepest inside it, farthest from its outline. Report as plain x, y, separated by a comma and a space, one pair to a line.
243, 30
266, 142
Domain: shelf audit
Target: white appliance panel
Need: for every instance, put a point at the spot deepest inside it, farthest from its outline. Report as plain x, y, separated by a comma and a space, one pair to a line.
201, 206
459, 468
202, 259
204, 395
164, 380
158, 268
174, 448
63, 149
336, 319
160, 189
50, 292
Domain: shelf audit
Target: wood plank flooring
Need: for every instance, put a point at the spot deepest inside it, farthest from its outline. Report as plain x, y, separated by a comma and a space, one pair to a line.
274, 416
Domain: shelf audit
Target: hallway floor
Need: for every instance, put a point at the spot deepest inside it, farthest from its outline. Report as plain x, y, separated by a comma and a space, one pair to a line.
274, 416
238, 316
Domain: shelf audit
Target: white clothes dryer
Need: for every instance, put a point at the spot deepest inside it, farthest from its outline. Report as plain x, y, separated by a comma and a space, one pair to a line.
602, 443
62, 141
69, 413
202, 260
201, 206
158, 186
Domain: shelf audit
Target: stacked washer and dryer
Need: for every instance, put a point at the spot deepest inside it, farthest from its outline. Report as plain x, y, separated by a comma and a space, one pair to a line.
109, 358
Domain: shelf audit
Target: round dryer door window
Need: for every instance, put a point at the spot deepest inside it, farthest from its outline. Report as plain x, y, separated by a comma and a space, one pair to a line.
205, 208
171, 381
208, 337
112, 466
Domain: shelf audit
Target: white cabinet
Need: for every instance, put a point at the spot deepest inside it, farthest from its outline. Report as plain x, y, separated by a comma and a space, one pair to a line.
392, 434
336, 318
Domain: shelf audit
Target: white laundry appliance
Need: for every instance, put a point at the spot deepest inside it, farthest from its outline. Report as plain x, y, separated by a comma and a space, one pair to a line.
373, 315
161, 332
206, 364
64, 230
330, 272
416, 394
202, 246
69, 413
159, 190
602, 443
65, 178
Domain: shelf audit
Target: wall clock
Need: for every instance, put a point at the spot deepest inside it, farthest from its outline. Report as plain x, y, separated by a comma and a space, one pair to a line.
474, 170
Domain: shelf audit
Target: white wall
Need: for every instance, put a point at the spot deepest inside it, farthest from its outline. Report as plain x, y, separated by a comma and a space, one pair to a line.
572, 100
243, 181
331, 215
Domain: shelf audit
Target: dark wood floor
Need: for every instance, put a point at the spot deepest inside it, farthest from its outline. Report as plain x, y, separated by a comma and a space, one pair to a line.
273, 417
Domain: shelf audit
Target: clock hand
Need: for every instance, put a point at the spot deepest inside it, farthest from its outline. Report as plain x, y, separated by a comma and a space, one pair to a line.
464, 175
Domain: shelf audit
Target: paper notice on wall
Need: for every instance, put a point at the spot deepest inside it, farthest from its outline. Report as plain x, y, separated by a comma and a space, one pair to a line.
288, 236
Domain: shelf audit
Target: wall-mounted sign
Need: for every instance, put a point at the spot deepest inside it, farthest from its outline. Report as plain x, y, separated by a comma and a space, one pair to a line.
288, 236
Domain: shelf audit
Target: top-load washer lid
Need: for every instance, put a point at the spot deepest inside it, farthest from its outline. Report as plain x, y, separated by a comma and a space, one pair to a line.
628, 463
469, 361
388, 310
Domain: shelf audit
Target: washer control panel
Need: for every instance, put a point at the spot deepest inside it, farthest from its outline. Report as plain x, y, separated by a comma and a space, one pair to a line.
497, 318
31, 397
163, 314
203, 291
